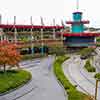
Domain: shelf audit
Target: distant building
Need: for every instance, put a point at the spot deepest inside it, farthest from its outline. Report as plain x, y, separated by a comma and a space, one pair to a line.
31, 36
78, 37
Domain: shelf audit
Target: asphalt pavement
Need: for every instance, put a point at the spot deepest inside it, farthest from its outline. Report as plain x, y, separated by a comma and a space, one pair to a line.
77, 75
43, 85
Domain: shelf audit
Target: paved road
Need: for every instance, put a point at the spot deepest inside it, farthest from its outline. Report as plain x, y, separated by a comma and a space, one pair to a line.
73, 69
43, 86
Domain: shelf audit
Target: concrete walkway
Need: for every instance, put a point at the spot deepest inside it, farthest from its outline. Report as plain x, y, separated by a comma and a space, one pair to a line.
73, 69
43, 85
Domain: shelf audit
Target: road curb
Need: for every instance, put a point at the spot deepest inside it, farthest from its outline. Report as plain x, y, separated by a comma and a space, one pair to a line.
12, 90
65, 94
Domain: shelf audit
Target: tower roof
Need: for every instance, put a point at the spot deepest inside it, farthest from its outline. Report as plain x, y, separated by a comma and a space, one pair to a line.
77, 12
78, 22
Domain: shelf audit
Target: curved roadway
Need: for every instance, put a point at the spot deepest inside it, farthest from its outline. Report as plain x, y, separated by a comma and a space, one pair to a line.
43, 85
73, 69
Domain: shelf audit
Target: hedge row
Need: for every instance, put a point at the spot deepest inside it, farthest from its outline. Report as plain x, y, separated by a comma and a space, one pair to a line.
73, 93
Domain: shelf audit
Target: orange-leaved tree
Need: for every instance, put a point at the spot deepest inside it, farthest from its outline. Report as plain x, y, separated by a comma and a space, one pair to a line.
9, 55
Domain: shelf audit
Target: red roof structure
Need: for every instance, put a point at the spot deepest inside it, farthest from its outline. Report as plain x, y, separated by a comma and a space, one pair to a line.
30, 26
81, 34
74, 22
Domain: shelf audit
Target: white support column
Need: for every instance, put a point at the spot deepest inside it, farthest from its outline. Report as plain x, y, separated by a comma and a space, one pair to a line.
1, 30
5, 38
1, 37
32, 42
32, 38
42, 38
54, 31
15, 30
62, 23
42, 43
1, 34
61, 31
15, 35
42, 23
0, 19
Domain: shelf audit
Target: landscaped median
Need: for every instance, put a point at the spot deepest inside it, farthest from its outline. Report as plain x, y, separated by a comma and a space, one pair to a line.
86, 53
89, 67
73, 93
13, 79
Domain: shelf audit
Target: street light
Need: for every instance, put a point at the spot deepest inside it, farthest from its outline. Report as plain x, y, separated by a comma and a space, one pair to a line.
96, 89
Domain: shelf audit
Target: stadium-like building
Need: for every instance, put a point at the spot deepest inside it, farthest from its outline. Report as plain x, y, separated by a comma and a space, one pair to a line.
31, 36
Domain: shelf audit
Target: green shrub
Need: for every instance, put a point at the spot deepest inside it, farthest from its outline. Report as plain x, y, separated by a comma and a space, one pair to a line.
98, 45
86, 52
26, 57
59, 51
89, 67
70, 89
30, 56
97, 76
13, 79
98, 39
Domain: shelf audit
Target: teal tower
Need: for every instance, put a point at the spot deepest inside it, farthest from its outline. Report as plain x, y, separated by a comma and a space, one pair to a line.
77, 37
77, 26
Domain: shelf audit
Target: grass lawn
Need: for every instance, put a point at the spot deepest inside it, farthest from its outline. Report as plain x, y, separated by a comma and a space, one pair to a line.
13, 79
73, 93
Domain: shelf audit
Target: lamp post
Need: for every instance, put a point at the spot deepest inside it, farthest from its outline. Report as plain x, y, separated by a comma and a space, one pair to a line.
96, 89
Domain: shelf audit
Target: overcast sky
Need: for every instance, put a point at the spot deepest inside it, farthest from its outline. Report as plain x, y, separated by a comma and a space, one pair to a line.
48, 9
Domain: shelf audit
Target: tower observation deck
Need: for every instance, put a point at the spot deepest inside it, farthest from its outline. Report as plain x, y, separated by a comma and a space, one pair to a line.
77, 25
